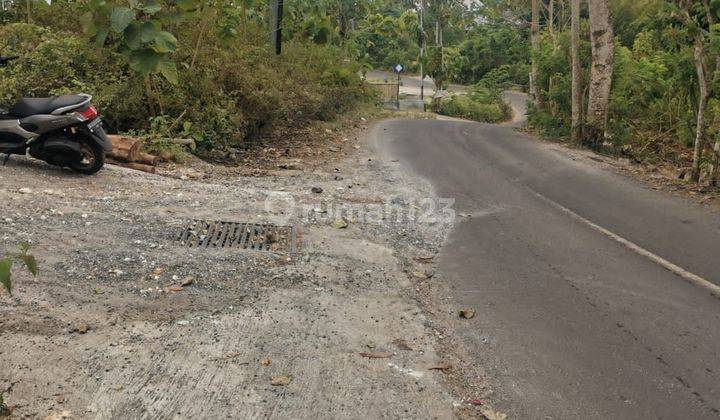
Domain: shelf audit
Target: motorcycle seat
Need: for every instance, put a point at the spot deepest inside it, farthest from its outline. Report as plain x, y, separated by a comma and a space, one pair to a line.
26, 107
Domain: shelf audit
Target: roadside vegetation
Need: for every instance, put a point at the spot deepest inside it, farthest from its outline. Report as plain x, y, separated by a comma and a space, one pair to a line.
478, 104
646, 86
200, 70
190, 69
646, 89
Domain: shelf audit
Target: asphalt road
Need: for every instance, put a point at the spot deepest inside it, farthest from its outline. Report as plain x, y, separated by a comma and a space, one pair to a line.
572, 322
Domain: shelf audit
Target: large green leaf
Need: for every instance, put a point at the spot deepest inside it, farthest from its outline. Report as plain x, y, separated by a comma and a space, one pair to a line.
5, 275
148, 31
144, 61
132, 36
87, 21
188, 5
151, 9
120, 18
165, 42
138, 34
30, 263
101, 36
168, 70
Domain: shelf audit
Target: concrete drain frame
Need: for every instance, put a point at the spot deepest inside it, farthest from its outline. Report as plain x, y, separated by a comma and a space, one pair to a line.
238, 235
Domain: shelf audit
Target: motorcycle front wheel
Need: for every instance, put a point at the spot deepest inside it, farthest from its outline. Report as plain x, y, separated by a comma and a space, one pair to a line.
92, 159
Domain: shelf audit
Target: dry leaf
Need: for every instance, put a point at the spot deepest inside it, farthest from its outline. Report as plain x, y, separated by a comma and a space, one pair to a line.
265, 362
174, 288
158, 271
467, 313
402, 344
229, 356
441, 366
424, 258
375, 355
340, 223
81, 328
281, 380
59, 415
491, 414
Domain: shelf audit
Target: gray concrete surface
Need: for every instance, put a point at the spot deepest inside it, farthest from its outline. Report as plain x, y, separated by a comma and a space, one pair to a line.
570, 323
107, 254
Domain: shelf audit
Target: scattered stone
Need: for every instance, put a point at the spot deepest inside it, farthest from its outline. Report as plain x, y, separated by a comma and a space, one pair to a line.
25, 190
316, 190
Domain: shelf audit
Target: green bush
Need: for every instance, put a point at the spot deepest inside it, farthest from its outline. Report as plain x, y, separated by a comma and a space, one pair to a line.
480, 104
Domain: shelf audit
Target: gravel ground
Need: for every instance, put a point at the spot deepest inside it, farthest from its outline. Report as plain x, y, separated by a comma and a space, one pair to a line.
107, 331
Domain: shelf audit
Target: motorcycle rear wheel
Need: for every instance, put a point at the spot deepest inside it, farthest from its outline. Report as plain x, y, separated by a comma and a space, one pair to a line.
93, 158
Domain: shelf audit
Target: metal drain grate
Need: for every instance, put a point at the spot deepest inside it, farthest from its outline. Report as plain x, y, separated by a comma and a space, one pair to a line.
259, 237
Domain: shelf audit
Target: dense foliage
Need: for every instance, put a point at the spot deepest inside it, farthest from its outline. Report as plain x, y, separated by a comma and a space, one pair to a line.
200, 71
654, 96
478, 104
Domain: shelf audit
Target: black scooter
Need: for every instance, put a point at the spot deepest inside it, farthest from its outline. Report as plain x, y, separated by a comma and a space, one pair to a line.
65, 131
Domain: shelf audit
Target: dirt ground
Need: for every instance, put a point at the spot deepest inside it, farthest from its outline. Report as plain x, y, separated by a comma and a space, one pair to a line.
342, 329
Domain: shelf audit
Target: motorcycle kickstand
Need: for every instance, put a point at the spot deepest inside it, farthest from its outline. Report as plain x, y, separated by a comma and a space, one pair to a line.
5, 160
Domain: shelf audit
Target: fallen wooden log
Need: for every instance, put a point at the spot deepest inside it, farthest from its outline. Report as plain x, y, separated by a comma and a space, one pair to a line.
184, 142
133, 165
125, 148
148, 159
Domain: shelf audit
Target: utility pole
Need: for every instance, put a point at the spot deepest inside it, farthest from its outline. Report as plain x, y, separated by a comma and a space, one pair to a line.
275, 22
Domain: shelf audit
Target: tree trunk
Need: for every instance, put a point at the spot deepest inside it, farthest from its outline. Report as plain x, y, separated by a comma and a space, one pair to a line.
577, 90
551, 19
150, 97
716, 163
601, 71
535, 45
701, 69
275, 17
